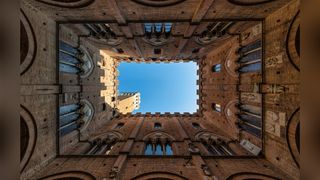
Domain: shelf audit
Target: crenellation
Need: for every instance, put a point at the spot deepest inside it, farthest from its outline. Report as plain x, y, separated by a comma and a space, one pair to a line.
76, 124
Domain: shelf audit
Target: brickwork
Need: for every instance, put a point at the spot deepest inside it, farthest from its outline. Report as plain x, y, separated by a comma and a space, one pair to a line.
125, 138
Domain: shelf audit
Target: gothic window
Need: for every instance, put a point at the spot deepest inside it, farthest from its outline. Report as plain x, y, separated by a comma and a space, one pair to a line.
74, 116
68, 58
148, 27
250, 110
102, 146
249, 127
157, 125
74, 60
158, 28
148, 150
157, 34
158, 148
214, 145
168, 149
249, 119
216, 68
119, 126
216, 107
218, 149
103, 33
68, 116
214, 31
250, 57
196, 126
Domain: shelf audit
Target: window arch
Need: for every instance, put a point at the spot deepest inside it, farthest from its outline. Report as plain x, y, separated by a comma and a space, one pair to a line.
158, 143
74, 60
250, 57
157, 34
103, 144
215, 145
103, 33
213, 31
158, 147
249, 122
74, 116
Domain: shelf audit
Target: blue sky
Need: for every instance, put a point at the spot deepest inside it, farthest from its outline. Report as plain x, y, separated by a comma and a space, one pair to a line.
164, 87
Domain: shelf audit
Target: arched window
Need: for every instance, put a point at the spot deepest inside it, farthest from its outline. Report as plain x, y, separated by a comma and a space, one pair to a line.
158, 143
250, 57
216, 68
213, 31
158, 148
249, 126
158, 28
68, 116
157, 125
119, 126
215, 145
196, 125
102, 146
216, 107
74, 60
249, 119
157, 34
74, 116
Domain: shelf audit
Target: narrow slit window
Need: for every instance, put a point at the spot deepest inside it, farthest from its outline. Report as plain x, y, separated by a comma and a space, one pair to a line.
216, 107
216, 68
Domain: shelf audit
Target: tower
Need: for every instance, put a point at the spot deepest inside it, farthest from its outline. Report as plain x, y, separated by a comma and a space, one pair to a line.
128, 102
248, 122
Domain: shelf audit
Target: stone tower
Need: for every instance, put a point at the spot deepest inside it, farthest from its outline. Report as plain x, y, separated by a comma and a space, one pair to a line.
128, 102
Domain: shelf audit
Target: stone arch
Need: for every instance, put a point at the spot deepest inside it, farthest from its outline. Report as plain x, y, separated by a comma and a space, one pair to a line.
28, 136
28, 44
293, 42
159, 175
249, 2
110, 134
293, 136
158, 135
251, 175
158, 42
109, 42
67, 3
158, 3
230, 111
88, 111
88, 64
74, 175
204, 135
230, 63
